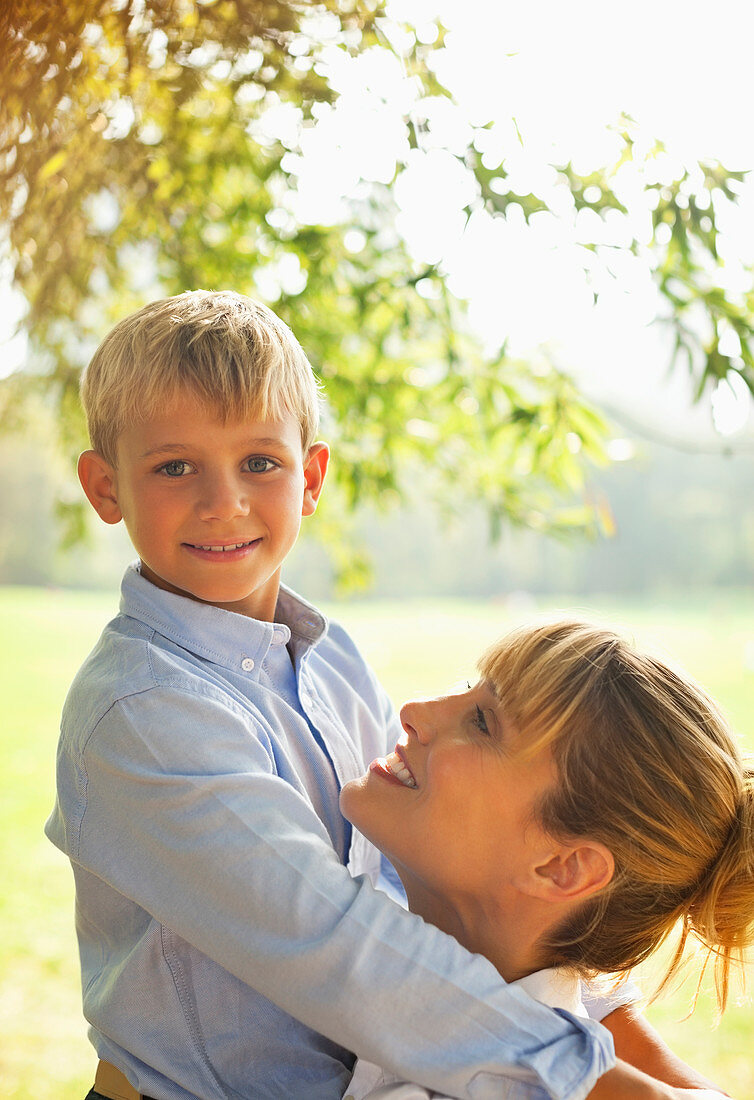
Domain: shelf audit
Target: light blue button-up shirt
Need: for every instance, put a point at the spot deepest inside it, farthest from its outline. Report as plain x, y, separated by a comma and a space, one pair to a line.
226, 951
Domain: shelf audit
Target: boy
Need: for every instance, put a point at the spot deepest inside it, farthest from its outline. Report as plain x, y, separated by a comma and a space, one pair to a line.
225, 949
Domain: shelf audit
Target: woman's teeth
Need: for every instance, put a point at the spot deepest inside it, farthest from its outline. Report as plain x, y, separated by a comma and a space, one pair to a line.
396, 766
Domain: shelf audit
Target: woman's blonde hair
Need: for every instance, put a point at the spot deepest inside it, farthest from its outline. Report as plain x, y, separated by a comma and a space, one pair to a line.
225, 349
647, 766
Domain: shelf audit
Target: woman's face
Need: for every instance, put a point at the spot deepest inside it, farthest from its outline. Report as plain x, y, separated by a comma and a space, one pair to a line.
452, 806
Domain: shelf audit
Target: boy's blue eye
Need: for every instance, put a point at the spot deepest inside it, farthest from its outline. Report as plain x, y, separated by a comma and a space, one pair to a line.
258, 464
175, 468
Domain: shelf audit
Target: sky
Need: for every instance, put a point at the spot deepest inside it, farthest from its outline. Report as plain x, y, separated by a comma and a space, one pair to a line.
564, 72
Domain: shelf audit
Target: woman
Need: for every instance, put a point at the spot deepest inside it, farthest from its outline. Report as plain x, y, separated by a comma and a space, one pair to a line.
564, 815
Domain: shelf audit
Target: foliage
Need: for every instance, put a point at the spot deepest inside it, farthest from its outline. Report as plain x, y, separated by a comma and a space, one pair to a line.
150, 146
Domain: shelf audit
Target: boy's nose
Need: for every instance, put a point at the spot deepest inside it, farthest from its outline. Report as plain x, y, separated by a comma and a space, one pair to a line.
222, 498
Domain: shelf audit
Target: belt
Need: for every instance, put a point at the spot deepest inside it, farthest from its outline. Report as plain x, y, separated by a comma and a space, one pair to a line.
110, 1082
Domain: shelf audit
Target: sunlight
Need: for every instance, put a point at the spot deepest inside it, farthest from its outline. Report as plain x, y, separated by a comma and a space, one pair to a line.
550, 83
731, 405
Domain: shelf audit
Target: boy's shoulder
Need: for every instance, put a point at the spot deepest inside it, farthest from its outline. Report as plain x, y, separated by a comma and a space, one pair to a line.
150, 643
121, 664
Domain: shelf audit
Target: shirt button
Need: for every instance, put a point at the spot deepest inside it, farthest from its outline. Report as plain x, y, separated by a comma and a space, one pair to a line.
278, 637
247, 664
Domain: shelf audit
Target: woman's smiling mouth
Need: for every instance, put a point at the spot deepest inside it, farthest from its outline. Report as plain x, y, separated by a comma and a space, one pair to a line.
393, 767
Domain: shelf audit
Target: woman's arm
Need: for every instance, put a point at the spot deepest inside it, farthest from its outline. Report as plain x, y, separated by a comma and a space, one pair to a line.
625, 1082
639, 1044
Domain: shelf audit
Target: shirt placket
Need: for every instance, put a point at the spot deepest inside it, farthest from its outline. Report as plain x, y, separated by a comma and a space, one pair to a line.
363, 857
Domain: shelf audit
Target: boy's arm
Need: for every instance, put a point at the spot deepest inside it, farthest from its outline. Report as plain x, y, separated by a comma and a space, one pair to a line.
181, 811
639, 1044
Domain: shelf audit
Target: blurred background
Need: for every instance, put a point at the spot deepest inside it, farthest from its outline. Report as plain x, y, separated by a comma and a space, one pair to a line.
517, 246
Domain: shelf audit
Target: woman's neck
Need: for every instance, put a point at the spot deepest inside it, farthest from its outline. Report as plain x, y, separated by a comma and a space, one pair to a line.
507, 935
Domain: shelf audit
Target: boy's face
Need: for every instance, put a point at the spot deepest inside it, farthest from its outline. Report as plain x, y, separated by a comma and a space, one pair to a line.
212, 508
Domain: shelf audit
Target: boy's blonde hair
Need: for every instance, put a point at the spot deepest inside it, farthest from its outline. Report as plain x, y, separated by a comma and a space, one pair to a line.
648, 767
226, 349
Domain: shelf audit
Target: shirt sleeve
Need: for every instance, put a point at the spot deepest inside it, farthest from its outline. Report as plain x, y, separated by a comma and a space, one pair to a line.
181, 811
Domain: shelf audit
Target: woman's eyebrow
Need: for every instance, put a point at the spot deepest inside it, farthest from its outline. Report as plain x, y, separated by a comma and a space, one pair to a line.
490, 687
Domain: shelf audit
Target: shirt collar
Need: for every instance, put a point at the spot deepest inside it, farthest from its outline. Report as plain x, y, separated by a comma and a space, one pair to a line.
223, 637
556, 987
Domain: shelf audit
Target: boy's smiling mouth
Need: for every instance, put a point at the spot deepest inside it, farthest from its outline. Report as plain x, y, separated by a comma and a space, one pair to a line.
225, 551
222, 549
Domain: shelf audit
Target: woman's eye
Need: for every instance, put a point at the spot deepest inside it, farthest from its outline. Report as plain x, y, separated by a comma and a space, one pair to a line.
258, 464
480, 721
175, 468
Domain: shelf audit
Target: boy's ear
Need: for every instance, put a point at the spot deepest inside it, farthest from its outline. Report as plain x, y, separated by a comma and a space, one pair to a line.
315, 468
573, 874
97, 479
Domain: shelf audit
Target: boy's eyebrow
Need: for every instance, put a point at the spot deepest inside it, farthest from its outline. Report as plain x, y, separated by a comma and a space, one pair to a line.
176, 448
268, 441
166, 448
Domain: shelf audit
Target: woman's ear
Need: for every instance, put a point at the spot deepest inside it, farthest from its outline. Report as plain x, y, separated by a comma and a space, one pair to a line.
573, 874
97, 479
315, 468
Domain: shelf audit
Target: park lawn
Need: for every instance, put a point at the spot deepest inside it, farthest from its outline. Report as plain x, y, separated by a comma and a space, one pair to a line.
416, 648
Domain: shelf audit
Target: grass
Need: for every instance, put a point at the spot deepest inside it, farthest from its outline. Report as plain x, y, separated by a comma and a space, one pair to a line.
417, 648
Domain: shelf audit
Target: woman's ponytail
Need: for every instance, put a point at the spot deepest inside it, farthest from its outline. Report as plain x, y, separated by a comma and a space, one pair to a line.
720, 911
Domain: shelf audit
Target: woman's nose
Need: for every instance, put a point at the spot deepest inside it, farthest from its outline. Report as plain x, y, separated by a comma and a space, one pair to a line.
416, 720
